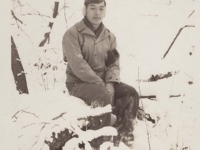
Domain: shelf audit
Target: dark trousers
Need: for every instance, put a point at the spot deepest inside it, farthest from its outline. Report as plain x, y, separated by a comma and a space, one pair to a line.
126, 99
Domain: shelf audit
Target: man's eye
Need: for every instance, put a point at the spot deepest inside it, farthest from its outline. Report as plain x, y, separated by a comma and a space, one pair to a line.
93, 8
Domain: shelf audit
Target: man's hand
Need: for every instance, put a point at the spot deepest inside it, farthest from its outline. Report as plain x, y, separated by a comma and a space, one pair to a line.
110, 87
111, 90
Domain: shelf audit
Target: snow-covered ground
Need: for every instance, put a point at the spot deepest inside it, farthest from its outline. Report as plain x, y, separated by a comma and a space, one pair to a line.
144, 30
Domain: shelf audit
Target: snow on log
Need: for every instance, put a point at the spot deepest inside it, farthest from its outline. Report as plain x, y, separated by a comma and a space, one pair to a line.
89, 135
52, 119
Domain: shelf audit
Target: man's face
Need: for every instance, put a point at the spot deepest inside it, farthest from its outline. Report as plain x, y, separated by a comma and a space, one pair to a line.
95, 12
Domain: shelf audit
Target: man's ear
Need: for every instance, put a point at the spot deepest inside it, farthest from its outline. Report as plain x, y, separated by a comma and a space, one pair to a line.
84, 11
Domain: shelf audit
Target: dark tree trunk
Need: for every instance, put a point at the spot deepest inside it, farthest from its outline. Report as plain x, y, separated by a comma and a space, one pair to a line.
18, 70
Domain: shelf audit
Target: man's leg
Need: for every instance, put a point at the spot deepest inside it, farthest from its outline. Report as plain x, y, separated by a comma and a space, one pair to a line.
126, 105
95, 96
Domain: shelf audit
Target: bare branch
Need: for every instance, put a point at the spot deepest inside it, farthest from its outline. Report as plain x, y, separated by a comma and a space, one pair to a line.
36, 141
176, 38
191, 14
59, 116
65, 12
30, 113
44, 126
36, 11
71, 15
154, 96
14, 116
47, 35
17, 19
28, 125
35, 14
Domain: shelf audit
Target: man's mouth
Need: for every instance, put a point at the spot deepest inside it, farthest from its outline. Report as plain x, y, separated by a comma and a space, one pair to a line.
97, 18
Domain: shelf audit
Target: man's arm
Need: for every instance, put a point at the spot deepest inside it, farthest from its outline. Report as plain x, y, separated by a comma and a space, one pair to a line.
79, 66
113, 69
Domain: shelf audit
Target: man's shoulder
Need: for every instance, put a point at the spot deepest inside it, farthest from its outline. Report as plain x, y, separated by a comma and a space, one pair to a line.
111, 34
75, 29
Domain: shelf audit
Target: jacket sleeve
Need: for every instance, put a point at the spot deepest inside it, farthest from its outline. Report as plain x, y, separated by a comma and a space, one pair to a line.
79, 66
113, 70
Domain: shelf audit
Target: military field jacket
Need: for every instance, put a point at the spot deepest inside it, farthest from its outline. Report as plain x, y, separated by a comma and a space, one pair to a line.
87, 55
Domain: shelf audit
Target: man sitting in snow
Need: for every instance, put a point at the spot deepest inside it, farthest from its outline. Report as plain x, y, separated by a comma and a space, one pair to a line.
93, 72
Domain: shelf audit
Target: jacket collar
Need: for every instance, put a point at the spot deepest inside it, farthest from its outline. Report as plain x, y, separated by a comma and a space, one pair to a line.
98, 31
82, 27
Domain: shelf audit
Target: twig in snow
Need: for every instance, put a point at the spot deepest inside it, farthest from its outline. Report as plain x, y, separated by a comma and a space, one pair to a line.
19, 3
191, 14
59, 116
71, 15
176, 38
17, 19
35, 14
161, 76
44, 126
36, 141
36, 11
14, 116
28, 125
154, 96
30, 113
143, 109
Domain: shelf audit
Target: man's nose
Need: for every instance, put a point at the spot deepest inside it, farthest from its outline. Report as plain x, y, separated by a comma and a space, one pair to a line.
97, 12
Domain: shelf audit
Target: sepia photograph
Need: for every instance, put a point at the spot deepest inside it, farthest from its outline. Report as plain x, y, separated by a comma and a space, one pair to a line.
100, 75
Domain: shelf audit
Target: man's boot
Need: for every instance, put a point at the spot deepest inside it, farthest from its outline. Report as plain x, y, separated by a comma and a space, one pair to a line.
125, 121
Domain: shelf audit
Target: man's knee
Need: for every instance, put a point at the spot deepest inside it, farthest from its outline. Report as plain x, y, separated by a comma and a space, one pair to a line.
104, 97
98, 96
132, 92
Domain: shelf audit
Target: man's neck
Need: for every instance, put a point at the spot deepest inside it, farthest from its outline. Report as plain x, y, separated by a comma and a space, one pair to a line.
97, 29
95, 26
90, 25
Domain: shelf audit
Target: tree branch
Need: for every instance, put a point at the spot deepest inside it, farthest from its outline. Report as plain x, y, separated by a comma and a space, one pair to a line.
59, 116
35, 14
14, 116
28, 125
65, 12
30, 113
154, 96
47, 35
17, 19
176, 38
191, 14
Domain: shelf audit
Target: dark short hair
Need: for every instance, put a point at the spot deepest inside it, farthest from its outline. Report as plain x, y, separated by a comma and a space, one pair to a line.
86, 4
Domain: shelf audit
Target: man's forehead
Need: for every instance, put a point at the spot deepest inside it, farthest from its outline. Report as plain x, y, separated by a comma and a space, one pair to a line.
97, 5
